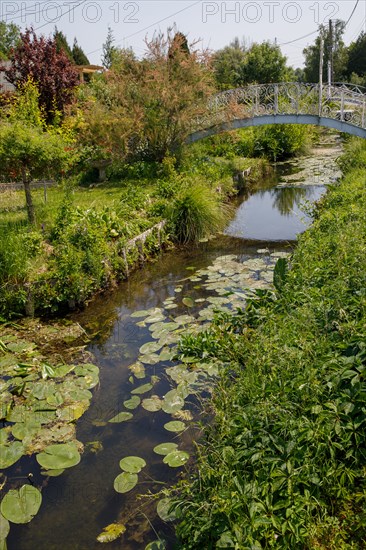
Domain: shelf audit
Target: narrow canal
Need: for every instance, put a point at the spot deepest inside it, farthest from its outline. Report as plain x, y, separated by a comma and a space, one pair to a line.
146, 400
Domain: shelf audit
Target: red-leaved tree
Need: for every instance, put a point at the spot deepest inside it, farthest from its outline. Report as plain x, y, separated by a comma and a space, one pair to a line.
51, 70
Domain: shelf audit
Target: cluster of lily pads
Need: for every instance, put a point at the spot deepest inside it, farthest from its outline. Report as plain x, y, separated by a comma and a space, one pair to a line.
39, 404
225, 285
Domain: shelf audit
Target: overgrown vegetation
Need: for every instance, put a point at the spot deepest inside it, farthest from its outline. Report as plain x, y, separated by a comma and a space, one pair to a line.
283, 465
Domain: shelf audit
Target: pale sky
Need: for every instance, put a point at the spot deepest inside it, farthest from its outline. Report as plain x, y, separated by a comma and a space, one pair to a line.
216, 23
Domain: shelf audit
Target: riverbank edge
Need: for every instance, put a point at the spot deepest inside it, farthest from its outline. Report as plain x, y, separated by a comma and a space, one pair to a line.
283, 464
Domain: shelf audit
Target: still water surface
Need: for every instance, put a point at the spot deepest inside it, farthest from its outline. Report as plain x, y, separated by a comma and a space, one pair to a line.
81, 502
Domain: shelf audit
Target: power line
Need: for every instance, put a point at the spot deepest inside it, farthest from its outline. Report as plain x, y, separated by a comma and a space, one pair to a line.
152, 25
10, 15
353, 11
297, 39
314, 32
58, 18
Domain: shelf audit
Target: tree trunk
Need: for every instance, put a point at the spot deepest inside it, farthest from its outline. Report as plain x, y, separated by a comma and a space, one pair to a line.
28, 198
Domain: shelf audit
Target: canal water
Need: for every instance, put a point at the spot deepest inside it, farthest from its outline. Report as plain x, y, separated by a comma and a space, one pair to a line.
134, 332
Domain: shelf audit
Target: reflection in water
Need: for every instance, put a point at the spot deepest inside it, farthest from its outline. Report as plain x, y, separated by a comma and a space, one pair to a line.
274, 214
286, 198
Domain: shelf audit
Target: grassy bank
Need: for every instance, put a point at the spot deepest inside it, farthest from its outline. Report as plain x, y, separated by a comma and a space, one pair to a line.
284, 463
80, 242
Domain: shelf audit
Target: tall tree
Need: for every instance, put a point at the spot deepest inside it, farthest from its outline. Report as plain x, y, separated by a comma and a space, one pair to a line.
227, 65
144, 109
357, 56
78, 54
52, 72
264, 63
109, 50
62, 44
235, 65
9, 39
27, 149
312, 54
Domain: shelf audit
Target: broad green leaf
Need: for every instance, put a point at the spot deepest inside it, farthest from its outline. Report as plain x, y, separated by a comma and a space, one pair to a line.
155, 318
142, 389
132, 464
56, 457
21, 505
156, 545
25, 429
111, 532
152, 404
52, 473
121, 417
149, 348
176, 458
165, 448
4, 528
10, 454
175, 426
163, 510
150, 359
138, 370
172, 402
132, 403
90, 374
141, 313
187, 301
125, 482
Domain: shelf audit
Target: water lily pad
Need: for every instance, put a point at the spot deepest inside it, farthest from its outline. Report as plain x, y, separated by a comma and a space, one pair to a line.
4, 435
175, 426
132, 464
163, 510
166, 355
90, 374
111, 532
21, 505
157, 326
149, 347
165, 448
149, 359
172, 402
52, 473
187, 301
138, 370
156, 545
132, 403
4, 528
56, 457
155, 318
10, 454
184, 319
153, 404
171, 306
176, 458
142, 389
25, 429
70, 413
121, 417
125, 482
141, 313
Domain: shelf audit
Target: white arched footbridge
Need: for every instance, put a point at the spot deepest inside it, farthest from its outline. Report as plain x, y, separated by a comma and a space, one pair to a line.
339, 106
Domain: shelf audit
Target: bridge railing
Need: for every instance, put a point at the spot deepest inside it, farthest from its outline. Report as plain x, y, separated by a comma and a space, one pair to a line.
343, 102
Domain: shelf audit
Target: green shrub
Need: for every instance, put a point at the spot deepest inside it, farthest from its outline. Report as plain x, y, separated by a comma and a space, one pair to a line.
196, 213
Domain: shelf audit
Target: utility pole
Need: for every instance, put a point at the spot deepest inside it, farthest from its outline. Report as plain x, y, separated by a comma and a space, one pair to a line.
321, 60
331, 48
